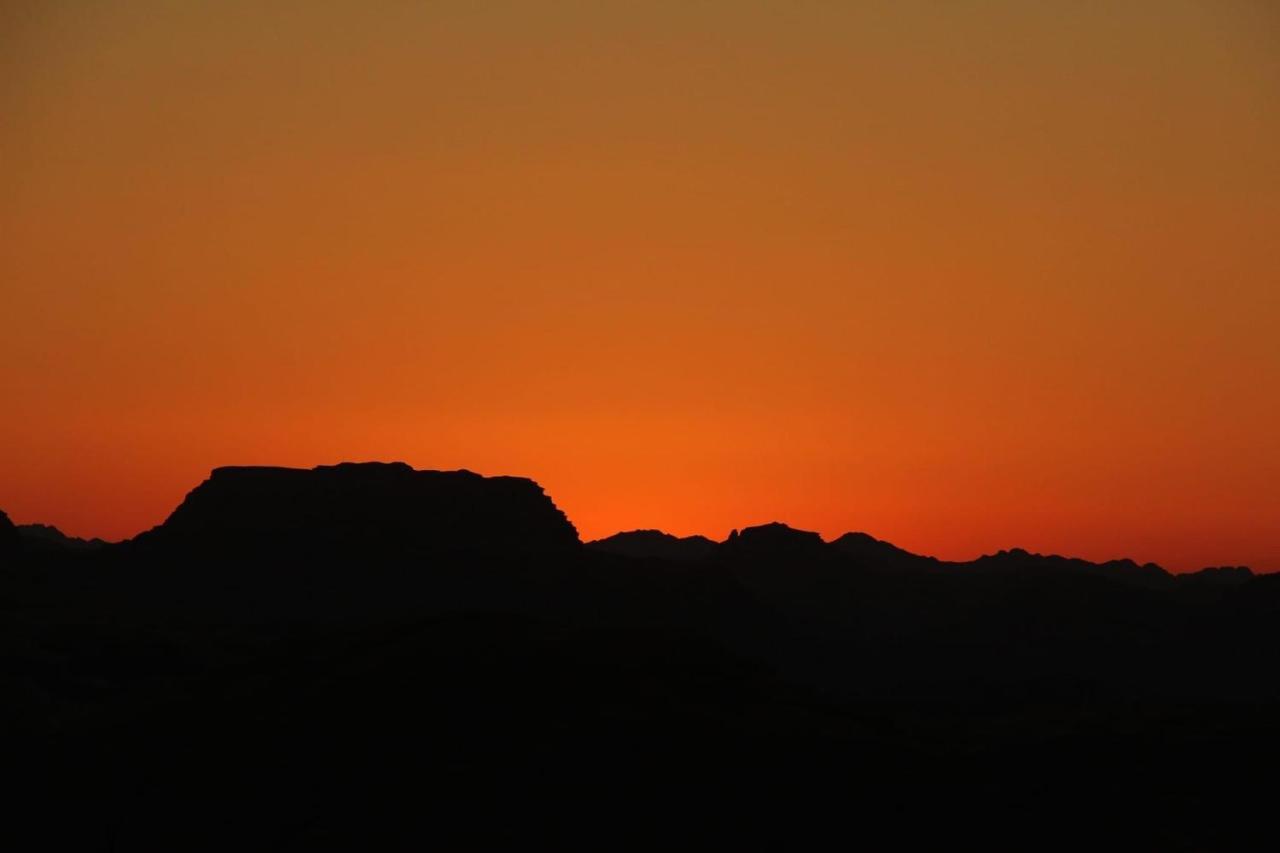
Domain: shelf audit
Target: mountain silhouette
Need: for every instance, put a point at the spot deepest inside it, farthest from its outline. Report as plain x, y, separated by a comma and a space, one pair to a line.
1217, 576
1018, 561
365, 656
654, 544
48, 537
362, 505
875, 553
773, 542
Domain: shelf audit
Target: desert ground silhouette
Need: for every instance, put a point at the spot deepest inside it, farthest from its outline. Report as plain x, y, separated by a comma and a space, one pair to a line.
365, 656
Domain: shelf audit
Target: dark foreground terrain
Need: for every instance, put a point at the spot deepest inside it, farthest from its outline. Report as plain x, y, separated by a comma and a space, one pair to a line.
367, 658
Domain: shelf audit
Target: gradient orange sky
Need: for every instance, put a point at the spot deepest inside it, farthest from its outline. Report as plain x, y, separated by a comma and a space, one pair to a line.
962, 275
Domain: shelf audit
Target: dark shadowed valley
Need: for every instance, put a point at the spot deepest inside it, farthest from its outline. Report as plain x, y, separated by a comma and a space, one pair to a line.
364, 656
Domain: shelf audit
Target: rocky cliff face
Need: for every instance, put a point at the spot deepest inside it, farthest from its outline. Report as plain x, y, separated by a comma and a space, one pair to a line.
387, 506
9, 541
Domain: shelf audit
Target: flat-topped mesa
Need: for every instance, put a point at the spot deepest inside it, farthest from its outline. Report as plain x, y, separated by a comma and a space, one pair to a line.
367, 506
774, 541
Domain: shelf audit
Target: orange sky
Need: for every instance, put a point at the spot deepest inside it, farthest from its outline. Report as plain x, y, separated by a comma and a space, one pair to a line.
964, 276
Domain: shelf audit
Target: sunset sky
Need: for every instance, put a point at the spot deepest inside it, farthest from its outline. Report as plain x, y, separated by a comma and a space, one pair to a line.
962, 275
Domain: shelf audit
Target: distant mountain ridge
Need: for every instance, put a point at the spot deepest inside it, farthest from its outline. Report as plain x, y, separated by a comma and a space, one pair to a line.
48, 537
875, 552
40, 538
392, 505
654, 544
776, 541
